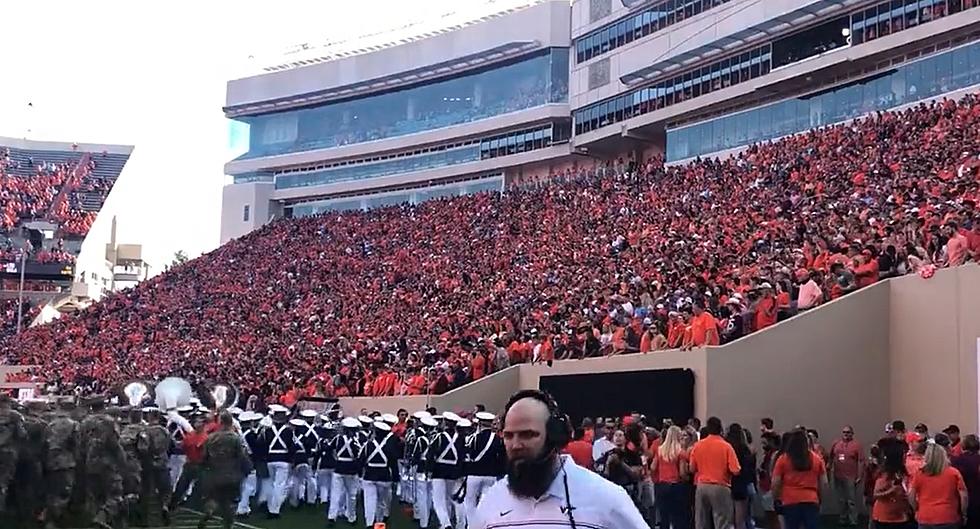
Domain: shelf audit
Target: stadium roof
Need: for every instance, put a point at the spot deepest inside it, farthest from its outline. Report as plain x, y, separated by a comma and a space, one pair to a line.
466, 14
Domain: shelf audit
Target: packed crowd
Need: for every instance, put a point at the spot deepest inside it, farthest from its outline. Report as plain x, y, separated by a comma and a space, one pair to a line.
686, 475
8, 317
629, 256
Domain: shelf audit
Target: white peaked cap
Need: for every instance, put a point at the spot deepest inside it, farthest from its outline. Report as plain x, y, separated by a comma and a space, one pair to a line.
278, 408
485, 416
389, 418
421, 414
383, 426
464, 423
307, 413
297, 422
429, 421
350, 422
450, 416
365, 419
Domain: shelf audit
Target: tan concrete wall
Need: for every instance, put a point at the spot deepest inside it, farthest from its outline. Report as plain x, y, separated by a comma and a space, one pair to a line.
820, 369
935, 325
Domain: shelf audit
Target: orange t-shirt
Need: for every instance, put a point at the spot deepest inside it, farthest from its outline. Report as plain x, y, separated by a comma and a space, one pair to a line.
892, 508
581, 452
938, 497
765, 314
546, 353
700, 325
669, 471
478, 366
645, 343
799, 486
714, 461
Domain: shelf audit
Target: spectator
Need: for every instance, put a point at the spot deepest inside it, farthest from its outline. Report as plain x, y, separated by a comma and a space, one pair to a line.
745, 479
938, 493
714, 463
798, 476
846, 463
623, 465
668, 466
891, 504
604, 444
967, 463
810, 293
580, 449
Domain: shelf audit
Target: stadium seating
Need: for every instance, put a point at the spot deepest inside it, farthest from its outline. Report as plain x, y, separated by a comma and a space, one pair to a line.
399, 299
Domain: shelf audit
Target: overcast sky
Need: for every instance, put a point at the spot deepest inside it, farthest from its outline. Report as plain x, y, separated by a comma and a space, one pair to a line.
153, 74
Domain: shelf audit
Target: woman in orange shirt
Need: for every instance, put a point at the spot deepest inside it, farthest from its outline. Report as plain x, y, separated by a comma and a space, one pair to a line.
891, 503
938, 493
667, 467
797, 478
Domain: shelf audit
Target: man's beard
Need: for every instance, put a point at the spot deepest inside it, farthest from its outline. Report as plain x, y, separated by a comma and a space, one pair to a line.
530, 478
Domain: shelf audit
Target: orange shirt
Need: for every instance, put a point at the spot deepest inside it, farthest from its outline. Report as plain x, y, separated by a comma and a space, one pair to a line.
714, 462
546, 352
645, 343
799, 486
581, 452
675, 333
765, 314
893, 507
938, 497
700, 325
478, 366
669, 471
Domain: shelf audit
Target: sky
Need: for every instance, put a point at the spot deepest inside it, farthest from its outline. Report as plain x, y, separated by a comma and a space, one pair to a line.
152, 74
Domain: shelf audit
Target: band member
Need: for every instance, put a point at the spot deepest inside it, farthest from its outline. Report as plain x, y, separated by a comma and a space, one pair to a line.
304, 482
324, 462
280, 440
178, 425
422, 504
447, 455
486, 460
249, 422
343, 490
380, 458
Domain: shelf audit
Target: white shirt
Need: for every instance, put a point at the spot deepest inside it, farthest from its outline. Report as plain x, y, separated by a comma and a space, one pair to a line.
594, 503
600, 447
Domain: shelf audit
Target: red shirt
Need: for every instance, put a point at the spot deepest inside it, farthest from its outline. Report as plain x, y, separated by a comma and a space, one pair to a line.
765, 314
799, 486
846, 458
581, 452
194, 446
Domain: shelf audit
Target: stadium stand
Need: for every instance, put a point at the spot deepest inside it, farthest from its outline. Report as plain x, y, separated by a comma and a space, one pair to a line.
610, 259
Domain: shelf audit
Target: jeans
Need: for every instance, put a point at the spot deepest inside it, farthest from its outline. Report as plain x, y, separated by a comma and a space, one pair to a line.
672, 504
846, 498
801, 516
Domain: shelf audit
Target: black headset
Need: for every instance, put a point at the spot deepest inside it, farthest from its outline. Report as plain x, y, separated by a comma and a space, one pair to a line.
556, 434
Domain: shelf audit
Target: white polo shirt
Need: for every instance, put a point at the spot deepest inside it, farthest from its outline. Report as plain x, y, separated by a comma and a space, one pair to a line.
594, 502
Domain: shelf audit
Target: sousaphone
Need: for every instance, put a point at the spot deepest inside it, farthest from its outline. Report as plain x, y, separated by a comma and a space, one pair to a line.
136, 393
219, 395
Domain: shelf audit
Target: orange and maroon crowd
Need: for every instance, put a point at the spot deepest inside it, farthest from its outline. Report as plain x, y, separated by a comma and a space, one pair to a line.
624, 256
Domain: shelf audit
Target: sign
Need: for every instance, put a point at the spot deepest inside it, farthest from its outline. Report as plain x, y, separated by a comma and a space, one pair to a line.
24, 394
321, 405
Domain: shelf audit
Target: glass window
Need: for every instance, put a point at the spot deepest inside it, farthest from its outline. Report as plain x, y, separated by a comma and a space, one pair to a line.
246, 212
911, 13
504, 88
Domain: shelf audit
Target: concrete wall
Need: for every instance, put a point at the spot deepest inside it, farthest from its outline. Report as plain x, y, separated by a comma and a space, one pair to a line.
905, 348
547, 23
234, 198
935, 325
821, 369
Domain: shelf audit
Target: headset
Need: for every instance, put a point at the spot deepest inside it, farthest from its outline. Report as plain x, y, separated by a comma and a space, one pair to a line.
557, 434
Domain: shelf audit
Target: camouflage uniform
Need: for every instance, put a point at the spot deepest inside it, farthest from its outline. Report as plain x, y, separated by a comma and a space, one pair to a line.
131, 437
60, 462
226, 463
30, 467
12, 432
156, 473
104, 457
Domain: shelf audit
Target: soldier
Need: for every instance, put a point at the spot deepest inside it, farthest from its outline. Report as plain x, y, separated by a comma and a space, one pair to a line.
29, 475
104, 457
12, 432
281, 444
422, 497
156, 473
380, 460
447, 457
343, 490
486, 460
249, 422
133, 443
61, 456
225, 463
324, 460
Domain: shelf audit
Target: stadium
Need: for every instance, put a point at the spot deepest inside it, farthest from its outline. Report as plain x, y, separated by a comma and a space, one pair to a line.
651, 209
